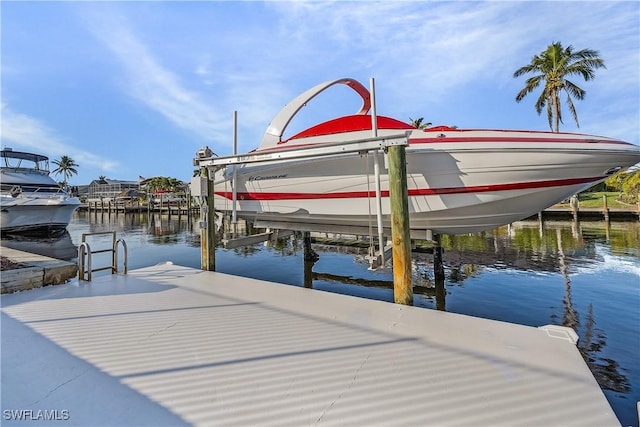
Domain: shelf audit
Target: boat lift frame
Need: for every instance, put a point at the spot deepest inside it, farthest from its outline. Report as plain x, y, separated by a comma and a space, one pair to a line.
362, 146
332, 149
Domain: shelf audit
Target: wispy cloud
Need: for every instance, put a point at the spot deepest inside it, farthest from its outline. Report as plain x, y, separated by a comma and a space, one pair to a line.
436, 45
424, 54
150, 83
24, 132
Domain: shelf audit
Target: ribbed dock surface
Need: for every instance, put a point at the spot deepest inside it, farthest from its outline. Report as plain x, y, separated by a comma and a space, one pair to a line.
169, 345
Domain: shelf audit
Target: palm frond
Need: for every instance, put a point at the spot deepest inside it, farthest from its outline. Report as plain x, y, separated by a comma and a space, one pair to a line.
554, 65
572, 108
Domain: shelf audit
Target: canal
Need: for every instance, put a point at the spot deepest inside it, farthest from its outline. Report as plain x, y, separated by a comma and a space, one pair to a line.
582, 275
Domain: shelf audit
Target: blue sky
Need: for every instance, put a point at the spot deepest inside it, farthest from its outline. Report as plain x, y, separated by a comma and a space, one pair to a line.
135, 88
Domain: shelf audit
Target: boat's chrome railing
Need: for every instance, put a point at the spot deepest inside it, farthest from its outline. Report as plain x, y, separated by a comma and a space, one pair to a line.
31, 190
84, 251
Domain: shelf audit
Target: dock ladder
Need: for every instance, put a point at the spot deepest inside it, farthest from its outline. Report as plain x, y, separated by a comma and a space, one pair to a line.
84, 251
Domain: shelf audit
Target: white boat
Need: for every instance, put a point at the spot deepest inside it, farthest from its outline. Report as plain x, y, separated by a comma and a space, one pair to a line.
165, 197
30, 200
459, 180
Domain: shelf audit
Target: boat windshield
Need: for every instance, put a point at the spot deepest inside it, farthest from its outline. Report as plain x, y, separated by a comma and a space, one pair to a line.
24, 161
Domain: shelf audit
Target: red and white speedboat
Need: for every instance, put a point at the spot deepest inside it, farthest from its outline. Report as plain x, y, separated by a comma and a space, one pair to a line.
459, 180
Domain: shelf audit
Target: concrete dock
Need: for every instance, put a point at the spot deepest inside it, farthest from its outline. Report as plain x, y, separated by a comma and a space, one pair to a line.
38, 271
170, 345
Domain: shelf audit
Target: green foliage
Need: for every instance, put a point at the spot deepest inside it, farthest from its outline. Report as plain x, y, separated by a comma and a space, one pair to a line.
552, 68
164, 183
65, 166
626, 183
418, 124
630, 186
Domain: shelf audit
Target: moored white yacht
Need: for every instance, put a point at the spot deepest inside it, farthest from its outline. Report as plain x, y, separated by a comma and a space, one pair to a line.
459, 180
30, 200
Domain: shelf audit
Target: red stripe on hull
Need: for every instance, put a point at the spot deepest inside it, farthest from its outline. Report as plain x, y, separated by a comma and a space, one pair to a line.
412, 192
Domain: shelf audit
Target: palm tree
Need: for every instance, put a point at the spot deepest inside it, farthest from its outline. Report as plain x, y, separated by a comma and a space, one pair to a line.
65, 166
553, 66
417, 123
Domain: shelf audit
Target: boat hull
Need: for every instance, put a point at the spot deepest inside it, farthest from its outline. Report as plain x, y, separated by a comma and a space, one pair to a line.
453, 188
36, 215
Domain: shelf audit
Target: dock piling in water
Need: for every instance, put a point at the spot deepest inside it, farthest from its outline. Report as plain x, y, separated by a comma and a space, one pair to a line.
438, 262
208, 230
400, 230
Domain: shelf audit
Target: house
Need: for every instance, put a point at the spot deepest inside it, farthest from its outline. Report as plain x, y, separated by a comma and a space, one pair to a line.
107, 190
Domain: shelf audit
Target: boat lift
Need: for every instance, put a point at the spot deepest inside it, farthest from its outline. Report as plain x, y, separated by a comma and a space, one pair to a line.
205, 158
359, 146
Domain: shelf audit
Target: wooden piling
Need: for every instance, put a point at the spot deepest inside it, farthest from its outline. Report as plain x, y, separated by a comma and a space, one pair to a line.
540, 224
438, 263
605, 207
400, 236
441, 292
310, 258
208, 226
575, 207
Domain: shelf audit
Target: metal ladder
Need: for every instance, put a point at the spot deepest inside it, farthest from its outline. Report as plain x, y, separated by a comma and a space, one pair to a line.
84, 251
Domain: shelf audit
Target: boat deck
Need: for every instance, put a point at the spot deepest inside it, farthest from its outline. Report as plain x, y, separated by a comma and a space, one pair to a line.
170, 345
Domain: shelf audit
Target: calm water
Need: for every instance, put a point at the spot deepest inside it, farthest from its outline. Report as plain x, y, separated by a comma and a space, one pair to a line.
586, 276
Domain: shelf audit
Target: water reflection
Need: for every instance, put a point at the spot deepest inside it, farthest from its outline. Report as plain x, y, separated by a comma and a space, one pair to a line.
160, 229
60, 246
555, 248
606, 370
524, 247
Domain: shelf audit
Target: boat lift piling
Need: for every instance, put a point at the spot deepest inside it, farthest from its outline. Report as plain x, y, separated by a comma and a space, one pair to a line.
203, 188
400, 229
394, 145
438, 264
310, 258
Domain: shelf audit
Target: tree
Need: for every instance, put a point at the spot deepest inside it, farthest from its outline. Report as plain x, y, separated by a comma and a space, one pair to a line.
164, 183
552, 67
65, 166
630, 186
417, 123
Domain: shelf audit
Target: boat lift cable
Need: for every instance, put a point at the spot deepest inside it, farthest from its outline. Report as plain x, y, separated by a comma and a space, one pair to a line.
234, 179
226, 209
372, 248
376, 170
